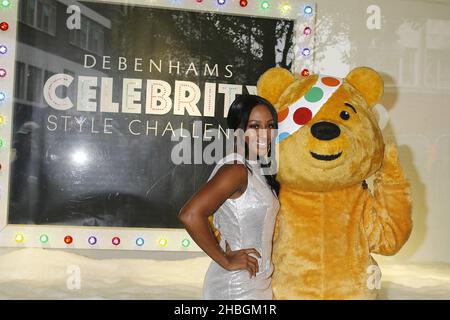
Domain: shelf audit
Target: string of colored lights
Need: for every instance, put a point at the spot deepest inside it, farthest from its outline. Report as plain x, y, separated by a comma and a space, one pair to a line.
92, 240
3, 49
285, 7
303, 33
4, 26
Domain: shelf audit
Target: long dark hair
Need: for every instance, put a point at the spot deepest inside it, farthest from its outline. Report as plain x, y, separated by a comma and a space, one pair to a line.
238, 116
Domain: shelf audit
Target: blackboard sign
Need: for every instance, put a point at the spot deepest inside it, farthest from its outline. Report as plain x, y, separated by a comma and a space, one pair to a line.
99, 91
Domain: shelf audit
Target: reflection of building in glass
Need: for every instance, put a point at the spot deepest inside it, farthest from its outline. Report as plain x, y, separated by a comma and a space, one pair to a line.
43, 26
30, 81
45, 47
411, 48
420, 55
437, 57
68, 169
425, 54
90, 37
39, 14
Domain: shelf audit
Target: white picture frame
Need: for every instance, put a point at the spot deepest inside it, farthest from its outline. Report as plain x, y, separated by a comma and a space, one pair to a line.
18, 236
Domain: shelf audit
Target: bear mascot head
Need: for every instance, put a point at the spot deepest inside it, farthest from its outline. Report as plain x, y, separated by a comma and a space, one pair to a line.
330, 221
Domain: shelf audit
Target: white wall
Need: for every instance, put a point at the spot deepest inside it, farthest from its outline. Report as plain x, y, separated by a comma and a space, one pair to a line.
412, 51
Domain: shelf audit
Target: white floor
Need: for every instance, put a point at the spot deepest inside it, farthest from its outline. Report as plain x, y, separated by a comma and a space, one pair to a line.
52, 274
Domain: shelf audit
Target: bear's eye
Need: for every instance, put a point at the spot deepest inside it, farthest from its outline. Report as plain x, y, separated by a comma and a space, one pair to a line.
345, 115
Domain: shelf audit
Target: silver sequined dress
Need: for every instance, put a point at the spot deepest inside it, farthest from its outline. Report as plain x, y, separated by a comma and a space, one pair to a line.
245, 222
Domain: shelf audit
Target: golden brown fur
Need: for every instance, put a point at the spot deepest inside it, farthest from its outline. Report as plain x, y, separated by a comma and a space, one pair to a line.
329, 223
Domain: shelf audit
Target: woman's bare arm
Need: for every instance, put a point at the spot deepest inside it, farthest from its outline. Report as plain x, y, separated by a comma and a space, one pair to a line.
230, 181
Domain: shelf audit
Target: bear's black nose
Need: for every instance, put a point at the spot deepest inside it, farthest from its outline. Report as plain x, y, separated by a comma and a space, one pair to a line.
325, 130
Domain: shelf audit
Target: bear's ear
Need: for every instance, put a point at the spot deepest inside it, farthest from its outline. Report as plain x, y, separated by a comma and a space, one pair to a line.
272, 83
368, 82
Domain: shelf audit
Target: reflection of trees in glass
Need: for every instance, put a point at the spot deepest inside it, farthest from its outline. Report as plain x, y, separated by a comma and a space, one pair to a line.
283, 33
203, 38
232, 38
327, 34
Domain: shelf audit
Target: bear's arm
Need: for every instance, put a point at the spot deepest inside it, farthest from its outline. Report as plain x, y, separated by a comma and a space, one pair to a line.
387, 218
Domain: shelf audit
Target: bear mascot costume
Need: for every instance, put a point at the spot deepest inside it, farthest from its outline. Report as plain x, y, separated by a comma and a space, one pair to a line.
330, 222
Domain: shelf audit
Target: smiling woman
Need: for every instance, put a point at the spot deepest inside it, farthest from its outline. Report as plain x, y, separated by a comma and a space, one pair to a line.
244, 204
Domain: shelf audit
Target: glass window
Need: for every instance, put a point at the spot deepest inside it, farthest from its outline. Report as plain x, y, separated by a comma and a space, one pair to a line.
20, 84
408, 67
47, 18
34, 84
40, 14
444, 69
27, 11
90, 37
83, 33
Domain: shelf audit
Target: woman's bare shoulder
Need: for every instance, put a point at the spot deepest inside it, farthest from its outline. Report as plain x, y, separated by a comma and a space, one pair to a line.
232, 176
233, 170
